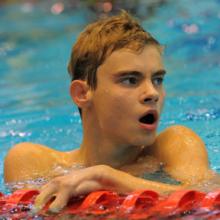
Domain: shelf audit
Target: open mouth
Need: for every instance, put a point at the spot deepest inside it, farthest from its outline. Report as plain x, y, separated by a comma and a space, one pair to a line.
149, 118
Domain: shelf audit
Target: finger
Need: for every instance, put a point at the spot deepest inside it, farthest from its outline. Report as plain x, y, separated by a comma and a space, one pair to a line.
61, 200
44, 197
87, 187
45, 186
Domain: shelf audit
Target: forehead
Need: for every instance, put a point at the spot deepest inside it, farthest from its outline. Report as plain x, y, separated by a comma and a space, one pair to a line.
148, 59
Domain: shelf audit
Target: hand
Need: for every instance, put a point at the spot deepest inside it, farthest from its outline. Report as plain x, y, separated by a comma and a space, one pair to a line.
74, 184
100, 177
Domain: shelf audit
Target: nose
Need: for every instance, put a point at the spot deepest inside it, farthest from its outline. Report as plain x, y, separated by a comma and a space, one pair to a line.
149, 94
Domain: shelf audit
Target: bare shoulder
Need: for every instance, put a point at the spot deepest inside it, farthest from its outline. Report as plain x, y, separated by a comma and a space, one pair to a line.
176, 138
183, 154
179, 133
28, 160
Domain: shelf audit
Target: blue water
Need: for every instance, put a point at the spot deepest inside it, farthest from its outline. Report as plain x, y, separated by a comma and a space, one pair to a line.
34, 50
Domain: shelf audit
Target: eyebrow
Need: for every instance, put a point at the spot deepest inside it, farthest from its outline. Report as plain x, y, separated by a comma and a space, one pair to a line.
134, 72
128, 72
159, 72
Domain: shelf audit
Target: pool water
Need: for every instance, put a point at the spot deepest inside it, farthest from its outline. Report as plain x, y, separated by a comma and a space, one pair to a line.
35, 44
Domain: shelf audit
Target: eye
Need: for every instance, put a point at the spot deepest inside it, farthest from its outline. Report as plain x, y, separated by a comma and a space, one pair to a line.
158, 80
129, 80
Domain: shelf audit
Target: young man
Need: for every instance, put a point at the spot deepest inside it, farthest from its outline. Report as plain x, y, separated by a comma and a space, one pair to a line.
117, 82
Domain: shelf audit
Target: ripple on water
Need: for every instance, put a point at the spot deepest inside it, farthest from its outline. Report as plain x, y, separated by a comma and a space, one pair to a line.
203, 114
39, 182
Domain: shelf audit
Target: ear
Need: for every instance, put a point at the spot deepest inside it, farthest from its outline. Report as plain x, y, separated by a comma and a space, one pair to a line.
80, 93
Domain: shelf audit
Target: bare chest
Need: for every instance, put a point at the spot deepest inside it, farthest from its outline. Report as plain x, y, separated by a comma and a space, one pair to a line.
143, 165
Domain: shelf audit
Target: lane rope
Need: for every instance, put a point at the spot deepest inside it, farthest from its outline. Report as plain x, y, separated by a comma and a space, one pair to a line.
140, 204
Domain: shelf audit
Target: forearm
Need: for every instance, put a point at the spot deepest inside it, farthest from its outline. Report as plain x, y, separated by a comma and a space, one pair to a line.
100, 177
124, 182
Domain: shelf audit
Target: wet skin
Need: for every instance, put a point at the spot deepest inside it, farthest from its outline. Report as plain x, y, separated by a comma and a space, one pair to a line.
115, 143
125, 92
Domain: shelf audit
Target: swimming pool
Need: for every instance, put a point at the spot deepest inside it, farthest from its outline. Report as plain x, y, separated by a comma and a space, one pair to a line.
35, 43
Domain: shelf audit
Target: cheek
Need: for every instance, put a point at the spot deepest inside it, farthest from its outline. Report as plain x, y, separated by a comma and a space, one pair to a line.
117, 106
124, 102
110, 103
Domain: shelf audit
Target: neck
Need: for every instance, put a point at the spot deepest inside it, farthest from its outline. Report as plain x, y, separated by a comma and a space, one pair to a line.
97, 148
107, 153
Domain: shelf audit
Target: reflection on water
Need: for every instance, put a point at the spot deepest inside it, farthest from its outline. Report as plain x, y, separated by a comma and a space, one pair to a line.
159, 176
39, 182
99, 7
30, 184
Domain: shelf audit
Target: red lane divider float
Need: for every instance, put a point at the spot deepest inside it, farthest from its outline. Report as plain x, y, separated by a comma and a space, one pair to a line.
141, 204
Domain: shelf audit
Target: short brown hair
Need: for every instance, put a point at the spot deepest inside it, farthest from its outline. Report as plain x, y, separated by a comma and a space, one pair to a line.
100, 39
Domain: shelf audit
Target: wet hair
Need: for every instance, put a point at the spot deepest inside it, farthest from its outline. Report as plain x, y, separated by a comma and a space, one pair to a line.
100, 39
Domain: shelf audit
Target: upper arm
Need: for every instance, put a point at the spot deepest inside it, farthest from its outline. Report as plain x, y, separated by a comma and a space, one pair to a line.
183, 154
25, 161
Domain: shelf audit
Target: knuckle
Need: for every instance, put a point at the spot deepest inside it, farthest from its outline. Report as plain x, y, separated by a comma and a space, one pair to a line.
103, 171
103, 168
66, 184
56, 181
62, 184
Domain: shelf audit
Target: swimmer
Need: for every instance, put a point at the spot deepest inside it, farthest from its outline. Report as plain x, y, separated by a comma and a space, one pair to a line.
117, 76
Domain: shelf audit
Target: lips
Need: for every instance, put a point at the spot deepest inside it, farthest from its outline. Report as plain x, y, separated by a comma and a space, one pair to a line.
149, 120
